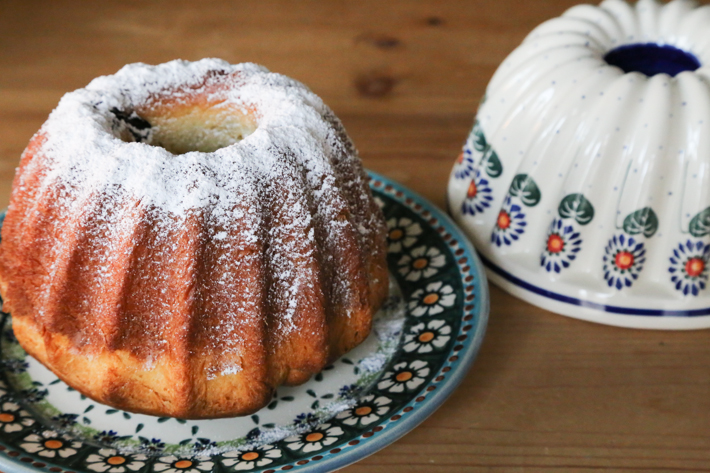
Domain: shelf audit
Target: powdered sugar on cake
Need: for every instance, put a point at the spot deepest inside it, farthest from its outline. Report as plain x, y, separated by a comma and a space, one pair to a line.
296, 163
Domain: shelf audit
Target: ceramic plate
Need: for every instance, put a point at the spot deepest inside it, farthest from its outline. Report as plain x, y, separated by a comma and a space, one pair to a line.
423, 342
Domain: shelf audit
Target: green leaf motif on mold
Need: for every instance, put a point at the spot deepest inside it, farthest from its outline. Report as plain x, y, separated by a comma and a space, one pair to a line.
576, 206
494, 167
643, 221
490, 160
479, 141
525, 188
700, 224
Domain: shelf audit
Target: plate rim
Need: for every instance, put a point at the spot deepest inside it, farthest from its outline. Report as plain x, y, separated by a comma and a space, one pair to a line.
436, 398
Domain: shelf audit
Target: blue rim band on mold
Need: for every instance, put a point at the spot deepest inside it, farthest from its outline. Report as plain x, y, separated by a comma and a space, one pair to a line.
592, 305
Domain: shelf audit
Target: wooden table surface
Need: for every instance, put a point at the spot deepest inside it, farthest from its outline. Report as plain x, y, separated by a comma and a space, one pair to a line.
547, 393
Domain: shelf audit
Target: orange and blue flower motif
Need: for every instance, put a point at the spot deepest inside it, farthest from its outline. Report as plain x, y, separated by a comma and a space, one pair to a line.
563, 244
510, 223
464, 166
624, 257
478, 196
689, 267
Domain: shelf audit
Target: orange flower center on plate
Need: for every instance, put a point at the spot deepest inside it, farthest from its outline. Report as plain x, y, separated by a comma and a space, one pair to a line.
426, 337
183, 464
624, 260
6, 417
314, 437
363, 411
431, 299
694, 267
472, 190
555, 243
420, 263
116, 461
249, 456
53, 444
404, 376
396, 234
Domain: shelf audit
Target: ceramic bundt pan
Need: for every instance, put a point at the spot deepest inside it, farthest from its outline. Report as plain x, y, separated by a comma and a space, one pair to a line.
585, 182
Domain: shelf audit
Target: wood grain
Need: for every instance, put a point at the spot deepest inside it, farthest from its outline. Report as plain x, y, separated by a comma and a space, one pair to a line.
547, 393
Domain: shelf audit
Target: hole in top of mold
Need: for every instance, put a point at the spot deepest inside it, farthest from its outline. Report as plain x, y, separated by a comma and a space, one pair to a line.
652, 59
184, 126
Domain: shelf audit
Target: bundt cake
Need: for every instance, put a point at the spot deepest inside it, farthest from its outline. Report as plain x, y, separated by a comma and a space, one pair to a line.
183, 238
585, 182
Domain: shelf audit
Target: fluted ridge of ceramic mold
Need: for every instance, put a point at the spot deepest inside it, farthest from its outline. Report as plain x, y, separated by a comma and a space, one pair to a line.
566, 145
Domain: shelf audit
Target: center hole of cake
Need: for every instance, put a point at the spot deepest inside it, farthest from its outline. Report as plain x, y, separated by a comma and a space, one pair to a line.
182, 129
652, 59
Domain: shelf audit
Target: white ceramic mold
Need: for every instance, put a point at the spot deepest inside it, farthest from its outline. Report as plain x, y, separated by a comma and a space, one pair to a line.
585, 182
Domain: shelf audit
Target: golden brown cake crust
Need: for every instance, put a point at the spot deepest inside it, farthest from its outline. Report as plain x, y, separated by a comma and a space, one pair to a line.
267, 265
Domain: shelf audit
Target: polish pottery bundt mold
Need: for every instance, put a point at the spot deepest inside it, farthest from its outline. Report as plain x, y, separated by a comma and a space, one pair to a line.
585, 182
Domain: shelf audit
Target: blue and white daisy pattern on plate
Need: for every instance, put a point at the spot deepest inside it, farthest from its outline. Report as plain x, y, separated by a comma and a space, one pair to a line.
315, 439
405, 377
433, 299
359, 401
13, 418
50, 444
689, 267
402, 233
175, 464
252, 457
427, 337
623, 260
421, 262
369, 409
108, 460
